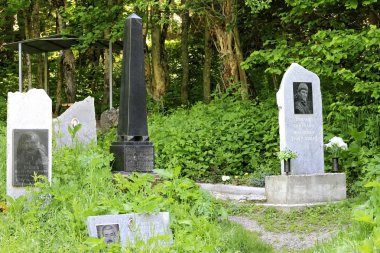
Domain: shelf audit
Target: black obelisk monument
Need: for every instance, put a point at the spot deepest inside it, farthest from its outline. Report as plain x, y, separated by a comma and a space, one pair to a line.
133, 151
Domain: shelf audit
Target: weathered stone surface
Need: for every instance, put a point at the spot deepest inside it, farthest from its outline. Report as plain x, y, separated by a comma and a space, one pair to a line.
301, 126
129, 228
109, 119
82, 112
29, 139
304, 189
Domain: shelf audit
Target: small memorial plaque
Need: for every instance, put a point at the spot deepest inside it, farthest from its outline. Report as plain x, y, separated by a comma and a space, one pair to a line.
30, 155
128, 229
110, 233
303, 98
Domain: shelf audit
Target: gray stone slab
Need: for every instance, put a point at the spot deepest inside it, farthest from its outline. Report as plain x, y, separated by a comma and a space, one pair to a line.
29, 139
239, 193
82, 112
130, 228
109, 119
233, 189
301, 126
303, 189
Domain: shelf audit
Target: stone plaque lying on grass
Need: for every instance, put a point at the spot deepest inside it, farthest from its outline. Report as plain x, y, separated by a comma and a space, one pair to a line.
131, 228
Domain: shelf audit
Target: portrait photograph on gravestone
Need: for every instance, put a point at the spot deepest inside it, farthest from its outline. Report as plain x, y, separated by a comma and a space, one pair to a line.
303, 98
110, 233
30, 155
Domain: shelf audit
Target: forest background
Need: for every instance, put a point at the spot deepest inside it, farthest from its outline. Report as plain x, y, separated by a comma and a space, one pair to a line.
214, 66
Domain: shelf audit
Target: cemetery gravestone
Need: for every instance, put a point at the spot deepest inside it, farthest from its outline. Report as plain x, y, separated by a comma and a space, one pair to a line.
82, 112
301, 130
300, 117
133, 151
129, 228
29, 139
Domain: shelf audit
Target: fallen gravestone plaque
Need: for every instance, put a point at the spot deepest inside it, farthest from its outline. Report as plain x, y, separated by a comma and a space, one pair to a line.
127, 229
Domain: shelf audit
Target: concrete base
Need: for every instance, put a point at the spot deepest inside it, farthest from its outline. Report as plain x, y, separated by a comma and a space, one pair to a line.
239, 193
294, 190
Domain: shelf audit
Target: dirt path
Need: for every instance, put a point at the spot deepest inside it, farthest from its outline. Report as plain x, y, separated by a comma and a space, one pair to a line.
285, 240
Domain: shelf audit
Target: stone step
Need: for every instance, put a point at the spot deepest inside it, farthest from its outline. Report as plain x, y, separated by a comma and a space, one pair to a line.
235, 192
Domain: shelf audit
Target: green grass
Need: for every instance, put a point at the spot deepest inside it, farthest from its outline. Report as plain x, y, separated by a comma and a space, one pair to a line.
312, 219
238, 239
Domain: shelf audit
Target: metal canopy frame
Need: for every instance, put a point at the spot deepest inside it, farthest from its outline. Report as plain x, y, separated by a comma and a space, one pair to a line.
57, 43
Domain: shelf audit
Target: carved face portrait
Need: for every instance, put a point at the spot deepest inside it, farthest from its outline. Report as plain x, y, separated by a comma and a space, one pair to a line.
110, 233
303, 98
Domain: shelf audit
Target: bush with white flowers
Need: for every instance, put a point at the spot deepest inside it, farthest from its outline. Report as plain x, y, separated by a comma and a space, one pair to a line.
335, 145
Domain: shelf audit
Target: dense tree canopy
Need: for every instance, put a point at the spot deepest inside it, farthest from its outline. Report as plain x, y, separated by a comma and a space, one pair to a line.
196, 48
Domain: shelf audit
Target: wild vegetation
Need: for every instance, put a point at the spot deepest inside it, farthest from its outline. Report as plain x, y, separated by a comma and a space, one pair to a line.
212, 70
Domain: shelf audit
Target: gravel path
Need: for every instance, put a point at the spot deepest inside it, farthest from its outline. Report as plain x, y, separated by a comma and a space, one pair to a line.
284, 240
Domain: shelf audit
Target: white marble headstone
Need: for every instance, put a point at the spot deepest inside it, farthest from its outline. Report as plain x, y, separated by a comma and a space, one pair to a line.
29, 139
301, 126
82, 112
127, 228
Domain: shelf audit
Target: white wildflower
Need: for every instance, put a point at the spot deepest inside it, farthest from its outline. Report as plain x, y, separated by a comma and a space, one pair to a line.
335, 145
225, 178
74, 122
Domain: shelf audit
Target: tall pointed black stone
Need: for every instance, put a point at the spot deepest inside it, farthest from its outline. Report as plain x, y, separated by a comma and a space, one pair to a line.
133, 151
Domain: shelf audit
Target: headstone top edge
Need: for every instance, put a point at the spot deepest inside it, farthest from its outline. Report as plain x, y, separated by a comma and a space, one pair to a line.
133, 16
29, 92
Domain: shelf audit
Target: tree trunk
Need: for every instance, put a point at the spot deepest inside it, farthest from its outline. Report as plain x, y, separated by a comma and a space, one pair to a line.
159, 80
58, 93
69, 75
68, 58
159, 64
185, 55
106, 75
227, 42
207, 67
29, 72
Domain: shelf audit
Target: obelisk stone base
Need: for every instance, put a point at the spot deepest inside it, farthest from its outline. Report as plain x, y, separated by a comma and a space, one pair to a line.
133, 156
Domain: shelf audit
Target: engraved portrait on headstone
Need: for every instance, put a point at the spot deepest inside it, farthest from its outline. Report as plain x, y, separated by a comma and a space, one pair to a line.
30, 155
303, 98
110, 233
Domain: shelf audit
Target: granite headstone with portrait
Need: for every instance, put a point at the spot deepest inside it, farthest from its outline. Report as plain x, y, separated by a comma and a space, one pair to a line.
299, 102
29, 135
300, 117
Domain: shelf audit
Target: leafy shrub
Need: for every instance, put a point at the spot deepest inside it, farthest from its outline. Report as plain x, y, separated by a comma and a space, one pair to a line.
53, 218
225, 137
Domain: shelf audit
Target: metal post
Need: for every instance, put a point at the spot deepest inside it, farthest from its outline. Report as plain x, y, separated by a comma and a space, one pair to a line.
20, 67
110, 72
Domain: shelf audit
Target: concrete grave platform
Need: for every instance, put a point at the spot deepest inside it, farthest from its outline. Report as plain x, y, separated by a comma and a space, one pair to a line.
306, 190
235, 192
